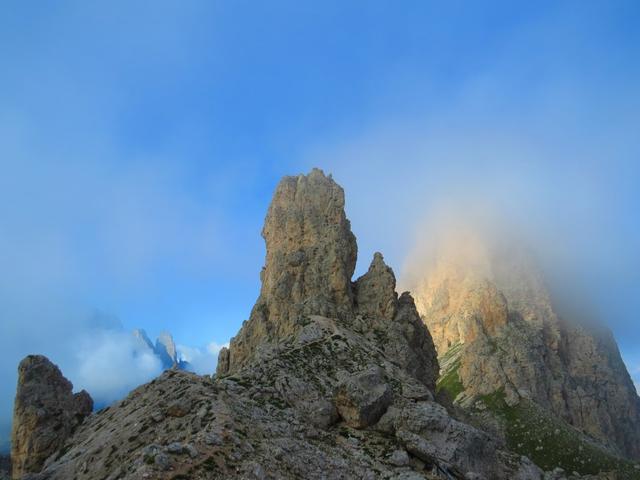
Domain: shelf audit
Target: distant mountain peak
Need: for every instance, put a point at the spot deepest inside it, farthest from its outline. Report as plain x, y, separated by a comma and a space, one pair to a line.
498, 332
164, 348
141, 336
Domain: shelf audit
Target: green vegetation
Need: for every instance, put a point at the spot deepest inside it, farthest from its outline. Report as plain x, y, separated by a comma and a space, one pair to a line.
449, 380
451, 354
550, 442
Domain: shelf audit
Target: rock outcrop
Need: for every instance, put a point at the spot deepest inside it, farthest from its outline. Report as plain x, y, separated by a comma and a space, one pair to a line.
499, 336
311, 256
362, 399
46, 413
328, 378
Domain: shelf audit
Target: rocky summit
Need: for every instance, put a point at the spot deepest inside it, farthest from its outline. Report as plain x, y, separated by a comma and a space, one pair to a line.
554, 387
329, 378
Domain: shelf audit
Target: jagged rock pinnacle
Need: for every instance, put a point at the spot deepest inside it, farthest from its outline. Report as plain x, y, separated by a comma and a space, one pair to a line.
311, 256
165, 348
376, 290
46, 412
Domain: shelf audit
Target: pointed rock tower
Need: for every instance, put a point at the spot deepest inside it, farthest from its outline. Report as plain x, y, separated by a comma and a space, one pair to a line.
311, 256
46, 413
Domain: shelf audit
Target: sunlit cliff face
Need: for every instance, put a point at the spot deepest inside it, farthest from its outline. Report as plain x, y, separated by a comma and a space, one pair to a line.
482, 295
463, 274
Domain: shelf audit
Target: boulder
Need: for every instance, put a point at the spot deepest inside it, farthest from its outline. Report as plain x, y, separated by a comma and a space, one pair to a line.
362, 399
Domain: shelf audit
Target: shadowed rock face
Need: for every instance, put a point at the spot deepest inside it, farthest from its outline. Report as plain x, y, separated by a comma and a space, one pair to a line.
492, 312
395, 321
46, 412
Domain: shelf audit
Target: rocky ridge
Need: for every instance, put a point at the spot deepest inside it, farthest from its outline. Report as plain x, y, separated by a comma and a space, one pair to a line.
329, 378
504, 347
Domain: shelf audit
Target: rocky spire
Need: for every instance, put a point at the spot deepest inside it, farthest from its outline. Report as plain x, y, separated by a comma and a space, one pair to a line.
396, 321
165, 348
311, 252
375, 291
311, 256
46, 412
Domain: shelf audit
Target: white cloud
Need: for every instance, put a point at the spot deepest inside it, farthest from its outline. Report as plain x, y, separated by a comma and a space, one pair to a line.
214, 348
110, 364
203, 360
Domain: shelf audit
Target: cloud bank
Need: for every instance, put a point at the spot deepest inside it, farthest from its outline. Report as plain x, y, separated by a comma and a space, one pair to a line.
109, 364
202, 360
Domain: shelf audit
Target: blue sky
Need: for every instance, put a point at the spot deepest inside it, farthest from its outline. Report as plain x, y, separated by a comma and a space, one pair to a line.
140, 143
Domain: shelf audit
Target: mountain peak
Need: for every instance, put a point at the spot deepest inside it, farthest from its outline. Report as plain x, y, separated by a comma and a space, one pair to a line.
165, 348
311, 256
498, 332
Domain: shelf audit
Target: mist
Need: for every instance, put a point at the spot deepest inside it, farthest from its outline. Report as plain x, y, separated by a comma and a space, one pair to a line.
554, 164
572, 200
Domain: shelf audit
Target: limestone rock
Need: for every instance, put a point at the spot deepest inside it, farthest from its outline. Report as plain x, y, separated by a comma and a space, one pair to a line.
259, 416
165, 348
396, 321
497, 330
223, 361
399, 458
375, 291
362, 399
46, 412
428, 431
315, 344
179, 407
311, 256
411, 345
